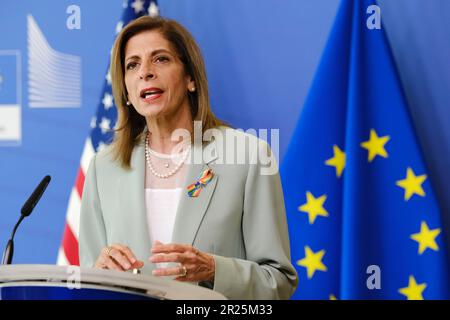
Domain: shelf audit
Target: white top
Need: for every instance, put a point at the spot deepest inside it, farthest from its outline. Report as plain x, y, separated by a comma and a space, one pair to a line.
162, 205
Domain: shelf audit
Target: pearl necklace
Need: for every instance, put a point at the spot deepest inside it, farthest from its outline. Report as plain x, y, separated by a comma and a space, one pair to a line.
170, 173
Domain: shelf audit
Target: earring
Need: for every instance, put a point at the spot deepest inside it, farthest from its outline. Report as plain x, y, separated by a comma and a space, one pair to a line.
128, 103
192, 89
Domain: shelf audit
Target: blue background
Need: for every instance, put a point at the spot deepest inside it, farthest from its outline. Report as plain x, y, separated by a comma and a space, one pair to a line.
8, 72
261, 56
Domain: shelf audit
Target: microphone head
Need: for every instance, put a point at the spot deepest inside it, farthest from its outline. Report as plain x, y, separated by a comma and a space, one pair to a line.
35, 196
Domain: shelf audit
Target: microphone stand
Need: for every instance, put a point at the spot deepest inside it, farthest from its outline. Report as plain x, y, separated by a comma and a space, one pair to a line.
9, 250
25, 212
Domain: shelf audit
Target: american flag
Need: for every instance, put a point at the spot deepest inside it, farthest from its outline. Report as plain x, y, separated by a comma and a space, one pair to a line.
100, 136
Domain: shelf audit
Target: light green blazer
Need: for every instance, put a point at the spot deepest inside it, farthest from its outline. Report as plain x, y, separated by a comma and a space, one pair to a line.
239, 218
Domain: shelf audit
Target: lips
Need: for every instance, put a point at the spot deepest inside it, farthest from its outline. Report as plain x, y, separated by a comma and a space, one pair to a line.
150, 94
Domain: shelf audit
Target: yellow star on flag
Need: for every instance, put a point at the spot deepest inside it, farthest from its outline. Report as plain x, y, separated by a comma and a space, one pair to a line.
412, 184
338, 161
314, 207
375, 145
312, 261
333, 297
413, 291
426, 238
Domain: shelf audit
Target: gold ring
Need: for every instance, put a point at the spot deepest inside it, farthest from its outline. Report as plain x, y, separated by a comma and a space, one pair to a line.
108, 251
184, 274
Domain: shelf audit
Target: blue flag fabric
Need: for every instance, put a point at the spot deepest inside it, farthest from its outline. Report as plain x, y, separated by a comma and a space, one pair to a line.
363, 218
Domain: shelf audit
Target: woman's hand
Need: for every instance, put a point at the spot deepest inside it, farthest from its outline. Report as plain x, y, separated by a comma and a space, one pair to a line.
194, 264
117, 257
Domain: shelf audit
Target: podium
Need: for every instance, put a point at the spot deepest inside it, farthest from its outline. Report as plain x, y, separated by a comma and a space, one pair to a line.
50, 282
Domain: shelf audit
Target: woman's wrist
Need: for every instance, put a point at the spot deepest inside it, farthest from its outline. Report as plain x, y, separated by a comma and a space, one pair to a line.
212, 268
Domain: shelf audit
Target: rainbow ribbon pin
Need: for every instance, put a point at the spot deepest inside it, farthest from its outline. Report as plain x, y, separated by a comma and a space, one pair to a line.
204, 178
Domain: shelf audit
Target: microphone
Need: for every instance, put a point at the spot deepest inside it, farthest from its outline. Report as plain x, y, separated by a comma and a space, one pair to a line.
25, 212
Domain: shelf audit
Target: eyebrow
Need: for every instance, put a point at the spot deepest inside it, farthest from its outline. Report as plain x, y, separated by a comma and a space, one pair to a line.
154, 53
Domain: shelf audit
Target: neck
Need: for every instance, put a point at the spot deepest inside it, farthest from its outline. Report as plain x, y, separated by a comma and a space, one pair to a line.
162, 138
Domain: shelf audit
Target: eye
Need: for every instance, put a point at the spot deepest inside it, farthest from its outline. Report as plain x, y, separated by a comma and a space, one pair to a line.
162, 59
131, 65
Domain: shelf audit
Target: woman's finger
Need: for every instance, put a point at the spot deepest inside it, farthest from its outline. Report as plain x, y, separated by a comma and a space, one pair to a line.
168, 257
126, 251
164, 272
171, 247
137, 265
112, 265
120, 258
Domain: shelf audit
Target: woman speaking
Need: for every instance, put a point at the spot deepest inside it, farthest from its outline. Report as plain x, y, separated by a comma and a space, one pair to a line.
165, 201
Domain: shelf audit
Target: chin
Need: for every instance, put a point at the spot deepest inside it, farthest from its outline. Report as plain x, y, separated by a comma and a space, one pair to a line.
151, 110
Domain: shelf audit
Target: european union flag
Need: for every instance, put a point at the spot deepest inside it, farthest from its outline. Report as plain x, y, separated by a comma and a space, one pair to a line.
363, 218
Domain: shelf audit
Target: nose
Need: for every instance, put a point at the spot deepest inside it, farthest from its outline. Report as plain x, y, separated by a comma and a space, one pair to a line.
147, 72
145, 75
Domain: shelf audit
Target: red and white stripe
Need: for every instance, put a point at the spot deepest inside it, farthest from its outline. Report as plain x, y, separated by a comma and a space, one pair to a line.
68, 252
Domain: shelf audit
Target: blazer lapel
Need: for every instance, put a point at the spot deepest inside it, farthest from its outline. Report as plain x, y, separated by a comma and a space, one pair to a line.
191, 210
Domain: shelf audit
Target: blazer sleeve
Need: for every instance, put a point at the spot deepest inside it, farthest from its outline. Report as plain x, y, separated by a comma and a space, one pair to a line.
92, 237
267, 272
